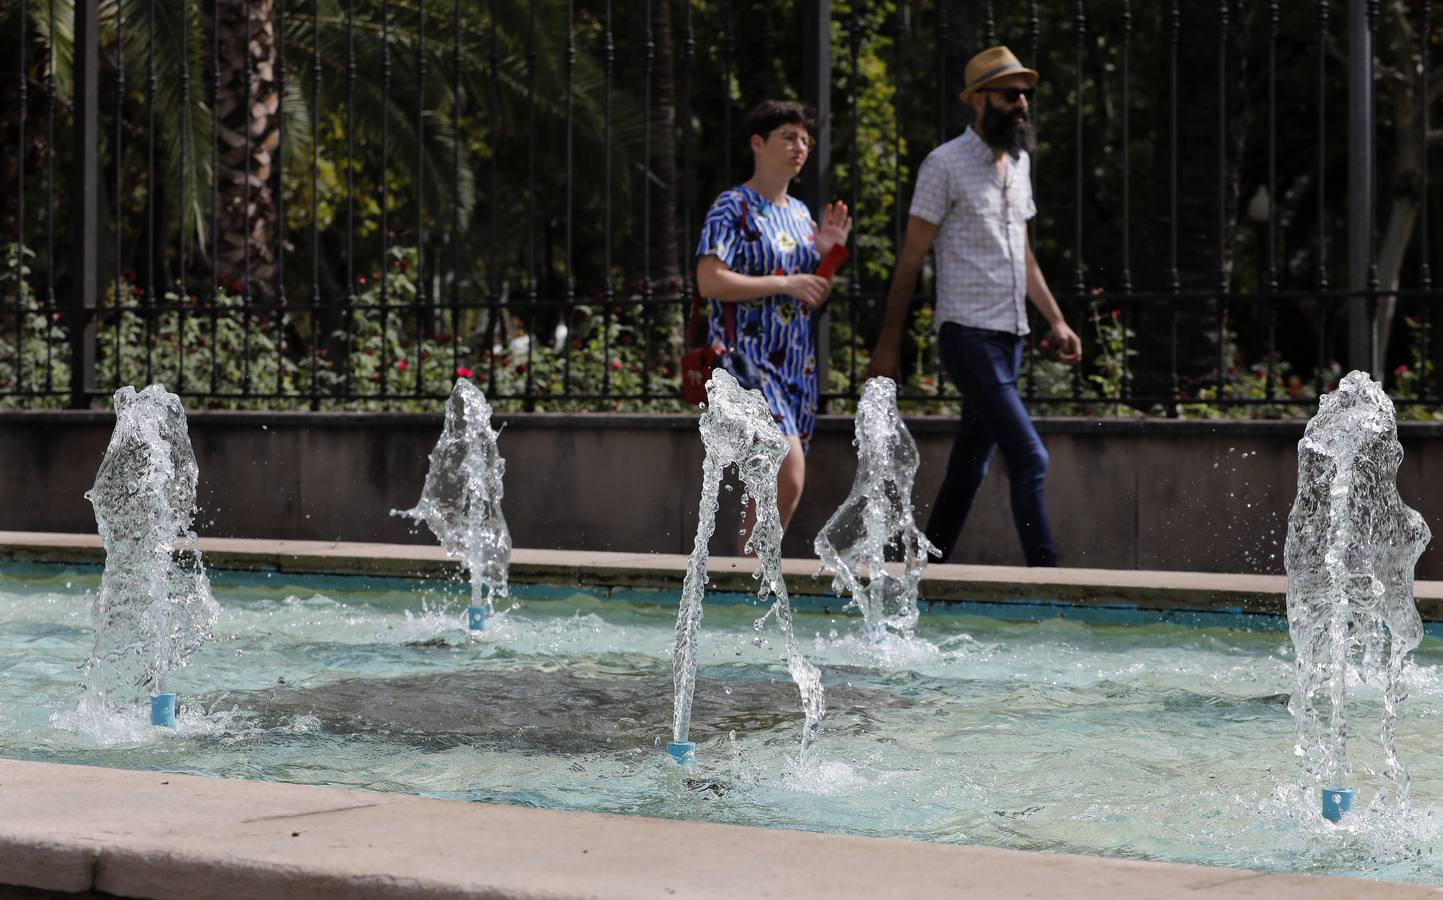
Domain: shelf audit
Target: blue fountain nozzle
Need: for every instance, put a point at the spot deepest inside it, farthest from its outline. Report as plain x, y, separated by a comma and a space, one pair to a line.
162, 710
1336, 801
476, 618
684, 752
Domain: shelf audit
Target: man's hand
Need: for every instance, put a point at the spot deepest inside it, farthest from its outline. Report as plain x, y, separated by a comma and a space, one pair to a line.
886, 358
809, 290
1068, 344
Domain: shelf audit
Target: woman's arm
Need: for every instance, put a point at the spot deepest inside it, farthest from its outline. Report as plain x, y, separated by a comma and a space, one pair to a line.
716, 282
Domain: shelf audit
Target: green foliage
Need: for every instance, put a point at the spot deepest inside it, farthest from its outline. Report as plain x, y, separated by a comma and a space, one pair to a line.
213, 357
1413, 380
34, 352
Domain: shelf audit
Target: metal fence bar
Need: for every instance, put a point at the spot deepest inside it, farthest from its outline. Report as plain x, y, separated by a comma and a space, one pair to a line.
1174, 284
50, 262
85, 207
316, 326
648, 70
454, 238
1425, 274
119, 288
385, 286
17, 261
532, 274
151, 223
1220, 387
493, 262
278, 161
608, 56
1125, 377
149, 334
1269, 281
420, 189
181, 287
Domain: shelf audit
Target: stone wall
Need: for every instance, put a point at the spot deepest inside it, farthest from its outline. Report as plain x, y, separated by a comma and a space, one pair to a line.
1203, 496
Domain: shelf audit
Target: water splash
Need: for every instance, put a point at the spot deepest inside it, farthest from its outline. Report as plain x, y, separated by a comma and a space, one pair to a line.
1351, 548
737, 429
154, 608
461, 500
876, 515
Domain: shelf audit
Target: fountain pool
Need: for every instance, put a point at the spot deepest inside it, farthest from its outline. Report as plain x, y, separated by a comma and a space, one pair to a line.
1138, 737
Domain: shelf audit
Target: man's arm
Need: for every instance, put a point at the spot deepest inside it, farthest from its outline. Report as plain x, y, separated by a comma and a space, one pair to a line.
1069, 345
886, 356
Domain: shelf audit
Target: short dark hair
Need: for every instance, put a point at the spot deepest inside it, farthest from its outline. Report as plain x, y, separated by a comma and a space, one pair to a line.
769, 115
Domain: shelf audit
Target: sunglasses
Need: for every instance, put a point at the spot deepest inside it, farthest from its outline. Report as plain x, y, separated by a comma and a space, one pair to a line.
1010, 94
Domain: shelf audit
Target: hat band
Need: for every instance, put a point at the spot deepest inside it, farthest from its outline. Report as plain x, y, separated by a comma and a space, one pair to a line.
993, 73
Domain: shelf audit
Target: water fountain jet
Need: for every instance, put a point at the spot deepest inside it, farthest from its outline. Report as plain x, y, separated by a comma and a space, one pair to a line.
461, 500
154, 608
738, 429
878, 515
1351, 550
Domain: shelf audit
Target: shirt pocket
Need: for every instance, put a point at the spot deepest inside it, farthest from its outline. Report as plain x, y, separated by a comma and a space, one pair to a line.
985, 202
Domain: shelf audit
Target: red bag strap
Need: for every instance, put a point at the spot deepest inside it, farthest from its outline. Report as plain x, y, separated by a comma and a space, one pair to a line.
729, 319
729, 309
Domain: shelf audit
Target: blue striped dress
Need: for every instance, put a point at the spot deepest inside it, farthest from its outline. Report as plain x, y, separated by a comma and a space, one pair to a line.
752, 236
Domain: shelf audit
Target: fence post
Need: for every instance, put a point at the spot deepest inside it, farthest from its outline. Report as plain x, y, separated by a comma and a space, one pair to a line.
816, 22
1361, 341
84, 204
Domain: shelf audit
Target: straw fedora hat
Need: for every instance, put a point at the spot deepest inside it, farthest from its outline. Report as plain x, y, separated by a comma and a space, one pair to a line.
990, 65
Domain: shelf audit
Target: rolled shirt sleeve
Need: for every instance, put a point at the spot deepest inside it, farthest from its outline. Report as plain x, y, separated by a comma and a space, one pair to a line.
933, 195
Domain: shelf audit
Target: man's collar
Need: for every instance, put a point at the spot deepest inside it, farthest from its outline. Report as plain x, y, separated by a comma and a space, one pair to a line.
977, 148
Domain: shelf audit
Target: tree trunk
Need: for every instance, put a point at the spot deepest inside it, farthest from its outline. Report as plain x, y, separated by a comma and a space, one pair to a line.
249, 138
1405, 185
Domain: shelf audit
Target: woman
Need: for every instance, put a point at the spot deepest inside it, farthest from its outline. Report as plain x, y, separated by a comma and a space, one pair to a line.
758, 250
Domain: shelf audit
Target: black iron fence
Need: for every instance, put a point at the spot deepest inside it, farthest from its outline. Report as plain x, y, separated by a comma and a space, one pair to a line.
351, 203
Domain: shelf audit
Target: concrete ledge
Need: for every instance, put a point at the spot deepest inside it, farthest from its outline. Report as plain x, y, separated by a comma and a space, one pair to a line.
1213, 592
154, 835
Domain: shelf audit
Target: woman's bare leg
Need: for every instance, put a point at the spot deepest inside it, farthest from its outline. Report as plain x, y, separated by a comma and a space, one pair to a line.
791, 478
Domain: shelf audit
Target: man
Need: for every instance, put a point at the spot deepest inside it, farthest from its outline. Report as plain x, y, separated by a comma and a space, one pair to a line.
973, 198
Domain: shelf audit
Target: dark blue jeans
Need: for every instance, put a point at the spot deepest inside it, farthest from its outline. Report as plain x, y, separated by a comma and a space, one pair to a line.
983, 364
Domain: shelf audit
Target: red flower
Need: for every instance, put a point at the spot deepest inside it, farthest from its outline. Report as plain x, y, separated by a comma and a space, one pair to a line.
616, 363
521, 368
1116, 314
402, 365
463, 372
1401, 369
361, 280
403, 264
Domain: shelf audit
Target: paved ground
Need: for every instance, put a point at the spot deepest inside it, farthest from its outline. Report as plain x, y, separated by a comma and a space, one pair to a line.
145, 834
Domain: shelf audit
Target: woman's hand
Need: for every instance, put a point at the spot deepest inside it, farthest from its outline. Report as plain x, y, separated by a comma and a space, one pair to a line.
809, 290
835, 227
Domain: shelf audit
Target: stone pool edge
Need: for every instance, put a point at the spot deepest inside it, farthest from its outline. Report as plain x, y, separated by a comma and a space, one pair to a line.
158, 835
1113, 588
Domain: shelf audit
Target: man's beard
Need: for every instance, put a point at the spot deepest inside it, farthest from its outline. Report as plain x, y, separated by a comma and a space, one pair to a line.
1000, 131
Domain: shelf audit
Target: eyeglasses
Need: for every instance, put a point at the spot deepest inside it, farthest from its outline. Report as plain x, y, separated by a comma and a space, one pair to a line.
793, 137
1010, 94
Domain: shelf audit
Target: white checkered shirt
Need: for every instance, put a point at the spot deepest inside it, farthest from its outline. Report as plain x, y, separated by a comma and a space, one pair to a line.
981, 244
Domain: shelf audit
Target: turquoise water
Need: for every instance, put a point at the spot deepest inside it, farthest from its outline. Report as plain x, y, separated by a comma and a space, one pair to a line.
1120, 736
